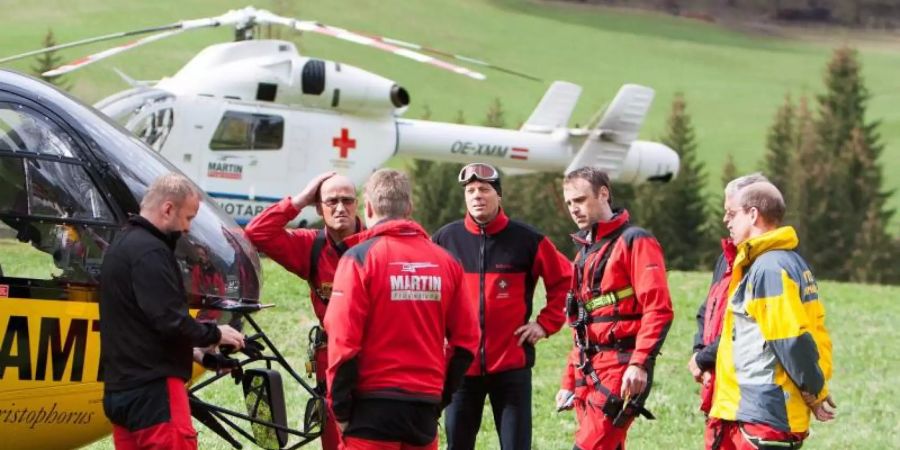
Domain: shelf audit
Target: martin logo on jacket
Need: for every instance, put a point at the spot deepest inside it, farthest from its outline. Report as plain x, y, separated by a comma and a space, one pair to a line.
415, 287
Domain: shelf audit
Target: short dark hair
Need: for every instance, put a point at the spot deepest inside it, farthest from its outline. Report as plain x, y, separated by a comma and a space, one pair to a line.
596, 177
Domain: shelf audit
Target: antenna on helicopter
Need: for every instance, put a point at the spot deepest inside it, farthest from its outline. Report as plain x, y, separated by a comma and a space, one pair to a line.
244, 21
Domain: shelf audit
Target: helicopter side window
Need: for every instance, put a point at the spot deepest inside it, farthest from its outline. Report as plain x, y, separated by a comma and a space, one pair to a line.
65, 191
25, 131
54, 223
248, 131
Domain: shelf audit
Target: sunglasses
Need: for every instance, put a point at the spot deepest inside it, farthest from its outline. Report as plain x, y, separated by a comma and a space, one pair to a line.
478, 171
333, 201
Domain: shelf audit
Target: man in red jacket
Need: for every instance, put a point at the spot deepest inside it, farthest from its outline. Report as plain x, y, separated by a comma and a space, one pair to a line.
502, 260
400, 331
620, 311
312, 254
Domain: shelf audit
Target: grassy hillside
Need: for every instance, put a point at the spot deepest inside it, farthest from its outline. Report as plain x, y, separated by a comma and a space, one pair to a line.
732, 81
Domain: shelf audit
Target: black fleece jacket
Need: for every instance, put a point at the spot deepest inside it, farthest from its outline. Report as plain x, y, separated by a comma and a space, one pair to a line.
146, 332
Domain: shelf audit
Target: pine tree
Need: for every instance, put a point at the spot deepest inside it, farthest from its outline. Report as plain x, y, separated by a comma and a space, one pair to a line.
437, 198
676, 213
495, 116
850, 149
49, 61
780, 145
729, 170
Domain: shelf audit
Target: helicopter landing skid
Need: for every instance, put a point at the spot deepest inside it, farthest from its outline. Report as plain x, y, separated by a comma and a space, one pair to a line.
264, 397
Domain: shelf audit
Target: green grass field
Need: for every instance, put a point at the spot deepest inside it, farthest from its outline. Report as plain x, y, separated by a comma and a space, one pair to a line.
861, 318
862, 321
733, 81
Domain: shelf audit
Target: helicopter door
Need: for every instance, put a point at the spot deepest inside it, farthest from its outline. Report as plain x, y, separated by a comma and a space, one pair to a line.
247, 162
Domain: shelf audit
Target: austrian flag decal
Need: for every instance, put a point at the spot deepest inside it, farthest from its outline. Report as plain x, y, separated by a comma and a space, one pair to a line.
519, 153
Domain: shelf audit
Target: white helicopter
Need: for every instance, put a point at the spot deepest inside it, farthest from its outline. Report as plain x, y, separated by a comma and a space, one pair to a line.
250, 120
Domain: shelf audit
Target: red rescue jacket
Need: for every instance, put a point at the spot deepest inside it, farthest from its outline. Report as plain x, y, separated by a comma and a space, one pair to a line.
292, 249
709, 321
397, 317
503, 260
636, 261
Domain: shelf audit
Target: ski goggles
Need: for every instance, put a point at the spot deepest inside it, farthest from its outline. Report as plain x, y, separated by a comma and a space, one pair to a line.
480, 172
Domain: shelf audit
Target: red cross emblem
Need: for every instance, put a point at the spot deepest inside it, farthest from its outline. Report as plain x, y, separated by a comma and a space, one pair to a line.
344, 143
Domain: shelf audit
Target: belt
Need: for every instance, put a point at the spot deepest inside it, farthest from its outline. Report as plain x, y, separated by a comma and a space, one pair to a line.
609, 298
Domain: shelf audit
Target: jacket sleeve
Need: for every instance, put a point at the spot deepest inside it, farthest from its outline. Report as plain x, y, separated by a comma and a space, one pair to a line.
556, 271
289, 248
463, 334
781, 311
155, 281
344, 322
698, 336
648, 277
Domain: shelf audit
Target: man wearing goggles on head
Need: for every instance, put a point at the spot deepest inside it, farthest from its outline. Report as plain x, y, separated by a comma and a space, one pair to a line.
312, 255
502, 260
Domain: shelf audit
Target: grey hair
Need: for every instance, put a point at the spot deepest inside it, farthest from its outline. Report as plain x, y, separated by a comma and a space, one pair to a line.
390, 193
173, 187
739, 183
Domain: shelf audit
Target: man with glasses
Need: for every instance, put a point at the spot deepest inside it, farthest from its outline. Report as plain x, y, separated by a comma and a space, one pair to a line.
620, 310
702, 363
502, 260
774, 357
312, 254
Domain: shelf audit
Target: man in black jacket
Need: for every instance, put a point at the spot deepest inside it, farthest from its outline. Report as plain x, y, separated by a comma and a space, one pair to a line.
146, 334
502, 259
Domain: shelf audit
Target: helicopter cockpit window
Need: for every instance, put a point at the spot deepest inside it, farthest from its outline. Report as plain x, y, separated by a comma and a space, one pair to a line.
25, 131
64, 190
248, 131
154, 127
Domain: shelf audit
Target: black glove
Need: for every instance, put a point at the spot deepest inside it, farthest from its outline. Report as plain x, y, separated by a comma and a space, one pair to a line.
253, 349
219, 362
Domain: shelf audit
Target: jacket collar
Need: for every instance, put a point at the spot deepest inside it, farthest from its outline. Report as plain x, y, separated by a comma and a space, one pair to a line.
493, 227
782, 238
394, 227
729, 250
169, 239
348, 241
601, 229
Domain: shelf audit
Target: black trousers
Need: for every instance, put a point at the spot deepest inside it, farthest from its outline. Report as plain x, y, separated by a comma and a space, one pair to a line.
510, 395
408, 421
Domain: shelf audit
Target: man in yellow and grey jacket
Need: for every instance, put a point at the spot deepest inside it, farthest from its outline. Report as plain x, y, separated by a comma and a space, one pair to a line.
774, 358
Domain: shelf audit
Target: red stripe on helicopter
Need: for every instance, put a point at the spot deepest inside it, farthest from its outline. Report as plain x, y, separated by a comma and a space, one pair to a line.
519, 153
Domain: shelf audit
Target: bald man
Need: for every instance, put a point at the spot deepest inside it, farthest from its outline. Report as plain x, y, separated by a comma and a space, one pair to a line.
312, 254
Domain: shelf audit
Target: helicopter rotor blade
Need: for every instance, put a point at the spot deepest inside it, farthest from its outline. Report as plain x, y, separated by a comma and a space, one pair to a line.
470, 60
357, 38
232, 17
92, 40
90, 59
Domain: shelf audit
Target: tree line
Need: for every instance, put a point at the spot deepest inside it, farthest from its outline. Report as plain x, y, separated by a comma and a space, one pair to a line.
822, 153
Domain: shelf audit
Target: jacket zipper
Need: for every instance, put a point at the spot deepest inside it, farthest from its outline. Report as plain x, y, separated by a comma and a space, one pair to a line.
481, 299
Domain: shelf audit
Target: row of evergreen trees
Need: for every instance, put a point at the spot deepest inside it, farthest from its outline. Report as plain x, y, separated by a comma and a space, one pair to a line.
824, 161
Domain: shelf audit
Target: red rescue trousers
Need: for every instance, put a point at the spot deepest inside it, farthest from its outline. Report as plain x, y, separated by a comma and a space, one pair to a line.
330, 433
728, 435
353, 443
595, 430
178, 433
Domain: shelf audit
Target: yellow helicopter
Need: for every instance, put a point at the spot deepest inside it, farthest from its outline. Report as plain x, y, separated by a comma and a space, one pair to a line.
69, 177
